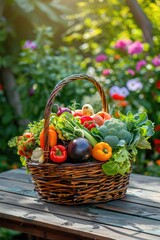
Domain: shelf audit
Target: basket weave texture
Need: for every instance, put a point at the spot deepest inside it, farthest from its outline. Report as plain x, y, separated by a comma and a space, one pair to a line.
79, 183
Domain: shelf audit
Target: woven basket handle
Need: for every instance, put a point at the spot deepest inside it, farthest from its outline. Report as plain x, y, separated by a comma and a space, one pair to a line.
52, 96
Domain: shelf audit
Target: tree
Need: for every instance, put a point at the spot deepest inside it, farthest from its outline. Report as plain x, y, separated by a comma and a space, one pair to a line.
142, 21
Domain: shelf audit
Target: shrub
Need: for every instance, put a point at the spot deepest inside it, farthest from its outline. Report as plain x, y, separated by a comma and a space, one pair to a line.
130, 76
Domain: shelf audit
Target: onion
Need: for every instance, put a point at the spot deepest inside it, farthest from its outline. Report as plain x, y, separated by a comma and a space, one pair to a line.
62, 109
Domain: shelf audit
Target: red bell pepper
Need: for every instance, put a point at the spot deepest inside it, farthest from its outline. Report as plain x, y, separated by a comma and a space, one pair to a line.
87, 122
58, 154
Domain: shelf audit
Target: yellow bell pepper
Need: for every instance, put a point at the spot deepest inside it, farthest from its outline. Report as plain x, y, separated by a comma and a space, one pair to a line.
102, 151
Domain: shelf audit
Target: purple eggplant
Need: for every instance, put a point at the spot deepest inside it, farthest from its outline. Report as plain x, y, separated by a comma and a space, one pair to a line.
79, 150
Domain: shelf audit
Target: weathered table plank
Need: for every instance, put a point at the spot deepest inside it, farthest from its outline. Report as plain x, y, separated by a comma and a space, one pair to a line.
145, 182
114, 218
18, 174
137, 216
132, 209
75, 226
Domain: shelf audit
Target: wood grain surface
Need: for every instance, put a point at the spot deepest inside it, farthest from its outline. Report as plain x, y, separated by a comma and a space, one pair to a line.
137, 216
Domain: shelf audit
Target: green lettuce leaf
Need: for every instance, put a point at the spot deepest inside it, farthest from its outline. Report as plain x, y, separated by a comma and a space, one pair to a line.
111, 167
121, 156
144, 144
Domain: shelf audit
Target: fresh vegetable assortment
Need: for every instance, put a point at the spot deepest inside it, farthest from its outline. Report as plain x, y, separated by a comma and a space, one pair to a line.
81, 135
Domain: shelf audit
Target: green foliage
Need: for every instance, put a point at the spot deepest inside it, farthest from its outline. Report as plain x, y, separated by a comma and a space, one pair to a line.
96, 22
40, 67
119, 163
141, 127
17, 22
17, 14
8, 129
5, 59
38, 70
6, 234
125, 153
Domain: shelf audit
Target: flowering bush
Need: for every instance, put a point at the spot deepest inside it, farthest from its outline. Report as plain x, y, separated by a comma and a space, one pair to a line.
131, 79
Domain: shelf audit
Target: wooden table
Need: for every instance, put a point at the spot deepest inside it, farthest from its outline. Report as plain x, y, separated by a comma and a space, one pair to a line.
137, 216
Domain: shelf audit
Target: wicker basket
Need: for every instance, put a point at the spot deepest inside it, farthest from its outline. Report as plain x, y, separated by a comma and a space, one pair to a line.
80, 183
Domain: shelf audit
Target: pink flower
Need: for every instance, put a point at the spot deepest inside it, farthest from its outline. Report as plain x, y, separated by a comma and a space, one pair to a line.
122, 43
134, 48
156, 61
101, 57
131, 72
140, 64
106, 72
29, 44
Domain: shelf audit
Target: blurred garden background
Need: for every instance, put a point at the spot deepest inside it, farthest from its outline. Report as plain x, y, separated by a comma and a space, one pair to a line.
43, 41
